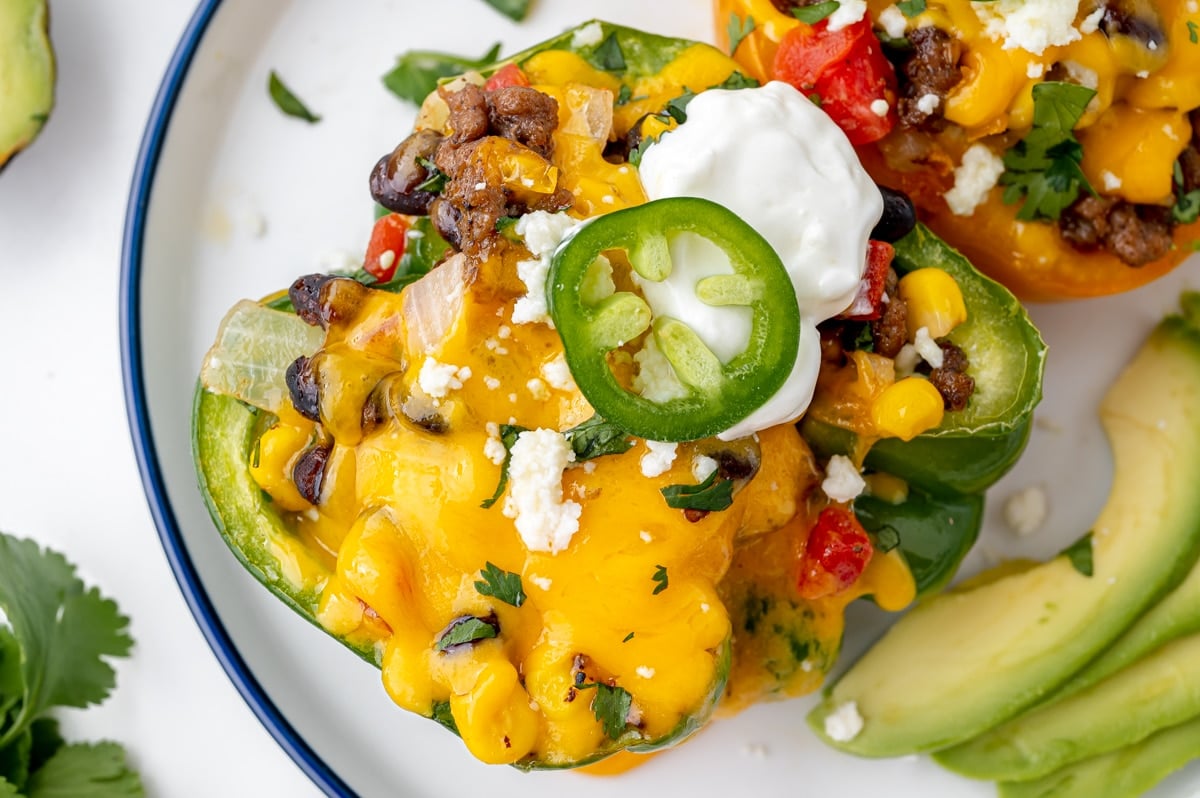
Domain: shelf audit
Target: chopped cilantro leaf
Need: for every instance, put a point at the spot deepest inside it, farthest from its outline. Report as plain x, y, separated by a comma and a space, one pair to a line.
911, 8
288, 102
713, 494
508, 436
676, 108
1193, 32
436, 180
611, 707
628, 637
501, 585
737, 80
464, 630
417, 72
1187, 205
513, 9
1043, 169
1080, 555
597, 437
738, 29
813, 14
608, 56
659, 577
624, 95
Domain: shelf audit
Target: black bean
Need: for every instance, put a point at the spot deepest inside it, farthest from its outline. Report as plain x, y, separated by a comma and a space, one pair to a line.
396, 178
302, 388
309, 472
305, 295
898, 219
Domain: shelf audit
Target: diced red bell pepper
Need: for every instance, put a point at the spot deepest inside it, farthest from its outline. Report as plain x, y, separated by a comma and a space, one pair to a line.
836, 554
846, 70
505, 76
868, 302
386, 247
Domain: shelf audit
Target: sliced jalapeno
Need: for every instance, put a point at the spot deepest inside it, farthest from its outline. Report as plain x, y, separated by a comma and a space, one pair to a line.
595, 320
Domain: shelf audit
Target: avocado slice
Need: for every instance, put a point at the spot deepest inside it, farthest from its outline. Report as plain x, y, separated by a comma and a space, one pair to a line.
973, 658
1178, 614
1125, 773
26, 74
1157, 692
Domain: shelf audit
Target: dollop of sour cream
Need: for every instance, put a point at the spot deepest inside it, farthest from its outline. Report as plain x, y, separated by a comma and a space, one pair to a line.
776, 160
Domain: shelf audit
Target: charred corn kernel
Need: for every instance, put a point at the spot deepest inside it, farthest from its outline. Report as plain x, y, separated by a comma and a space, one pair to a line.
272, 468
495, 718
934, 301
375, 563
887, 487
1131, 152
907, 409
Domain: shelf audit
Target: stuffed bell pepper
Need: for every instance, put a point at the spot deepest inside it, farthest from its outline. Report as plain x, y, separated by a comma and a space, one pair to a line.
546, 460
1055, 143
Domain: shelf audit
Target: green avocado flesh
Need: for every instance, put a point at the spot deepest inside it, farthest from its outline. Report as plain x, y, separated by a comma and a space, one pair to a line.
26, 74
1157, 692
1125, 773
971, 659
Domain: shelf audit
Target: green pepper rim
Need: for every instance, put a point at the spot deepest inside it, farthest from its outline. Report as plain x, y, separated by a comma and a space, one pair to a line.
745, 382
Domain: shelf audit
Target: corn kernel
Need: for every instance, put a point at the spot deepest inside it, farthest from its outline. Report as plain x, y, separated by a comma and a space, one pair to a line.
908, 408
271, 467
934, 301
494, 719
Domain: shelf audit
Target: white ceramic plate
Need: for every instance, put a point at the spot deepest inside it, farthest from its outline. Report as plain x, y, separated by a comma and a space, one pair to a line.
231, 199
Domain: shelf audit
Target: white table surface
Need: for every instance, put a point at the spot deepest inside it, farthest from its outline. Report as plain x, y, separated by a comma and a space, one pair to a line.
68, 478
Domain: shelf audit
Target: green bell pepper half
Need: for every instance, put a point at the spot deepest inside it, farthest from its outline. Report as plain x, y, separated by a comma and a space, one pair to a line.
593, 323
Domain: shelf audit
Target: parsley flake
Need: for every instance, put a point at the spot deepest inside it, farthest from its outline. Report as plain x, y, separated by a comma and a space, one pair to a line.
813, 14
508, 436
738, 29
713, 494
1193, 32
288, 102
608, 55
597, 437
501, 585
660, 579
466, 630
1080, 555
417, 72
911, 8
1043, 169
611, 707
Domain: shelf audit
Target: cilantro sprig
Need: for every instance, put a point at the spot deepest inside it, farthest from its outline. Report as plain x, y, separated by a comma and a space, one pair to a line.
597, 437
737, 30
417, 72
1043, 169
54, 651
610, 706
285, 100
501, 585
712, 495
466, 630
660, 579
813, 14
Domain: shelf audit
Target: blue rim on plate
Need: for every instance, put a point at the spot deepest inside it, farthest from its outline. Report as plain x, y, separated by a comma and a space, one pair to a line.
181, 563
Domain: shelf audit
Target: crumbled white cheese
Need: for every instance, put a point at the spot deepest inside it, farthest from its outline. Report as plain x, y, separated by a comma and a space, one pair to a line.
928, 103
1193, 6
1091, 23
655, 379
589, 467
491, 382
646, 536
980, 170
480, 186
1083, 75
557, 373
438, 379
658, 458
1035, 70
1111, 181
844, 723
847, 13
542, 232
535, 496
893, 22
703, 467
704, 606
542, 582
1026, 510
806, 666
879, 107
537, 389
1030, 25
588, 36
906, 361
644, 671
928, 348
843, 482
504, 332
387, 259
494, 449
